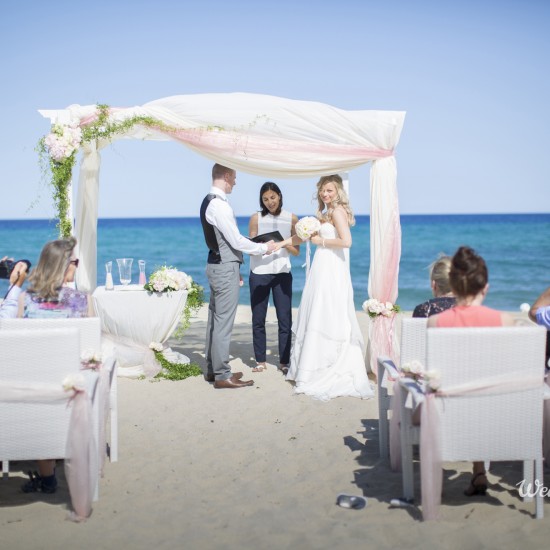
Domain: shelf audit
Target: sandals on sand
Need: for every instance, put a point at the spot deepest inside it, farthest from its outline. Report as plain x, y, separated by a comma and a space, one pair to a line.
476, 488
260, 367
283, 369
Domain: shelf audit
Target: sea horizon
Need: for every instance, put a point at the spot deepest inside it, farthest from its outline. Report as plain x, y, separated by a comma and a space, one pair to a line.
516, 247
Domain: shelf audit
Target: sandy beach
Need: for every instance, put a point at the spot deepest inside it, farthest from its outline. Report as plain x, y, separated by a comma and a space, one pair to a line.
258, 468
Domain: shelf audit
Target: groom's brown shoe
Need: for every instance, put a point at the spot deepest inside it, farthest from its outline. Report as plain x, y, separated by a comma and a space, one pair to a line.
212, 377
233, 382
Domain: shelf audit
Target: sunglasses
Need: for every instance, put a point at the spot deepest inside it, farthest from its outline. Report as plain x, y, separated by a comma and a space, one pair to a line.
75, 262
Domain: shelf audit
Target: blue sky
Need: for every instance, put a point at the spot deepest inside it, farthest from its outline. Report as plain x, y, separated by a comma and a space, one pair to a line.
473, 77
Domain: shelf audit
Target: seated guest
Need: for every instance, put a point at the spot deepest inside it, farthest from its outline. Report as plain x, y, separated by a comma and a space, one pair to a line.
47, 296
441, 288
8, 307
540, 310
540, 314
50, 293
469, 281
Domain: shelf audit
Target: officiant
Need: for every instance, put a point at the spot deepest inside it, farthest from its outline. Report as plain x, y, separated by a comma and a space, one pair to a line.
271, 274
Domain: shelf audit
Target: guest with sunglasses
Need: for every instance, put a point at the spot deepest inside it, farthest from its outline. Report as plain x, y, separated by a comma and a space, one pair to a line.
50, 292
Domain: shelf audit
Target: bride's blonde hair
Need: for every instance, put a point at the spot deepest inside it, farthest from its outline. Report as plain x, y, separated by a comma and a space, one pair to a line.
340, 200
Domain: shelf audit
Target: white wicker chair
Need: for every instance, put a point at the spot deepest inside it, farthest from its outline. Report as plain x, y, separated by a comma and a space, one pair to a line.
413, 346
498, 427
90, 338
30, 431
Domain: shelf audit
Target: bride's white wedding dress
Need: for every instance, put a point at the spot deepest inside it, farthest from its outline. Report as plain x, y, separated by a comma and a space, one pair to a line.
327, 357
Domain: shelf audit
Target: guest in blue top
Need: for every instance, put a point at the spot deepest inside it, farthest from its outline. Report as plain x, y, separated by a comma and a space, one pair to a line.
540, 314
49, 296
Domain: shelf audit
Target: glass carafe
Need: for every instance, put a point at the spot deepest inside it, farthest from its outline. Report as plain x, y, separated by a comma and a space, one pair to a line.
109, 276
142, 276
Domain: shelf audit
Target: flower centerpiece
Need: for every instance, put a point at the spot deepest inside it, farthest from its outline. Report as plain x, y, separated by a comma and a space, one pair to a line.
168, 279
90, 359
306, 227
374, 308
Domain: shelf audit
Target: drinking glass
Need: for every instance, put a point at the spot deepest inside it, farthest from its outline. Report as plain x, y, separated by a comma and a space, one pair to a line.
142, 277
125, 270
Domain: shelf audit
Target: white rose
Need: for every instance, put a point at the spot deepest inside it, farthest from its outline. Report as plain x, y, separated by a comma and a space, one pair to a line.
73, 382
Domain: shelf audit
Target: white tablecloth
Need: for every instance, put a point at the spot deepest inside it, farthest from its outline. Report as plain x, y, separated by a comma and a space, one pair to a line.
132, 318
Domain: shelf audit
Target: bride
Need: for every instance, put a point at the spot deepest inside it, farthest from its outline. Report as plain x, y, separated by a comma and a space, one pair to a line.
327, 357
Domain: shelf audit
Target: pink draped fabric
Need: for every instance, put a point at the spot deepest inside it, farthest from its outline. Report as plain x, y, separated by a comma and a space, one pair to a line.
385, 254
81, 465
81, 468
430, 445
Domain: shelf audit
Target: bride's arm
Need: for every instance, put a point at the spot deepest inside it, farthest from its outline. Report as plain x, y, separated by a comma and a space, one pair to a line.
340, 221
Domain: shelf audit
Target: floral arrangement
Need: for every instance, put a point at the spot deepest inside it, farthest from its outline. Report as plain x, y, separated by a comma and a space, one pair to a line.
431, 379
63, 141
306, 227
167, 279
173, 371
374, 308
90, 359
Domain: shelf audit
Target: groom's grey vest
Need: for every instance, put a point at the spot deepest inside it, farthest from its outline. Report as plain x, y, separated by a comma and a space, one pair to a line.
219, 250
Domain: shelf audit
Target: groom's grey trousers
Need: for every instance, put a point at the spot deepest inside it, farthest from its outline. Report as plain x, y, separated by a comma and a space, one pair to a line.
224, 298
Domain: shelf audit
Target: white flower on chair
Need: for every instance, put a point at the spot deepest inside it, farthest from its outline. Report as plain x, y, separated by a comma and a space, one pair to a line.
73, 382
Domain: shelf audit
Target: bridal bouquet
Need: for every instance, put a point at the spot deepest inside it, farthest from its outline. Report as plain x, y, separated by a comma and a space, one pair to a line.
305, 227
374, 308
167, 279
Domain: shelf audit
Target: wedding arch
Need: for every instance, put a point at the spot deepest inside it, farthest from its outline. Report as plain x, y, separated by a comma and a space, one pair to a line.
257, 134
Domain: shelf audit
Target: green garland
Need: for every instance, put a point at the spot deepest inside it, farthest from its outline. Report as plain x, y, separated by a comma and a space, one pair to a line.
175, 371
61, 171
195, 300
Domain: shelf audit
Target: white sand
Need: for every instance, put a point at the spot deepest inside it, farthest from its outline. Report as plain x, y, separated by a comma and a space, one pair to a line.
258, 468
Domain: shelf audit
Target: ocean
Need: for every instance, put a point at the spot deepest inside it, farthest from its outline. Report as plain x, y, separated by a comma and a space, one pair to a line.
516, 248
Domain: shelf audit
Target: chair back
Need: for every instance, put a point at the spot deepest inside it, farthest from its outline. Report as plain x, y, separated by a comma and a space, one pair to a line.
502, 426
36, 430
89, 328
413, 339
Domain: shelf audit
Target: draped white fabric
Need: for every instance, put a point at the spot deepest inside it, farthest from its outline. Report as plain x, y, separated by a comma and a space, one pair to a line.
268, 136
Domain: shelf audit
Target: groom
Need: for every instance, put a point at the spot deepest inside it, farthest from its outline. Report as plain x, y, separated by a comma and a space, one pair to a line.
225, 256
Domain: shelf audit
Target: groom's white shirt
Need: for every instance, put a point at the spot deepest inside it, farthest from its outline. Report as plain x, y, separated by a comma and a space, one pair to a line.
220, 214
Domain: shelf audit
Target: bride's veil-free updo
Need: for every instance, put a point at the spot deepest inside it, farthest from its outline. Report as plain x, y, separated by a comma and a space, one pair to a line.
341, 200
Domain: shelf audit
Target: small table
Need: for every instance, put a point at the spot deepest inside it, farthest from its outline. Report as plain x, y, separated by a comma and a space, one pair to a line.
132, 318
